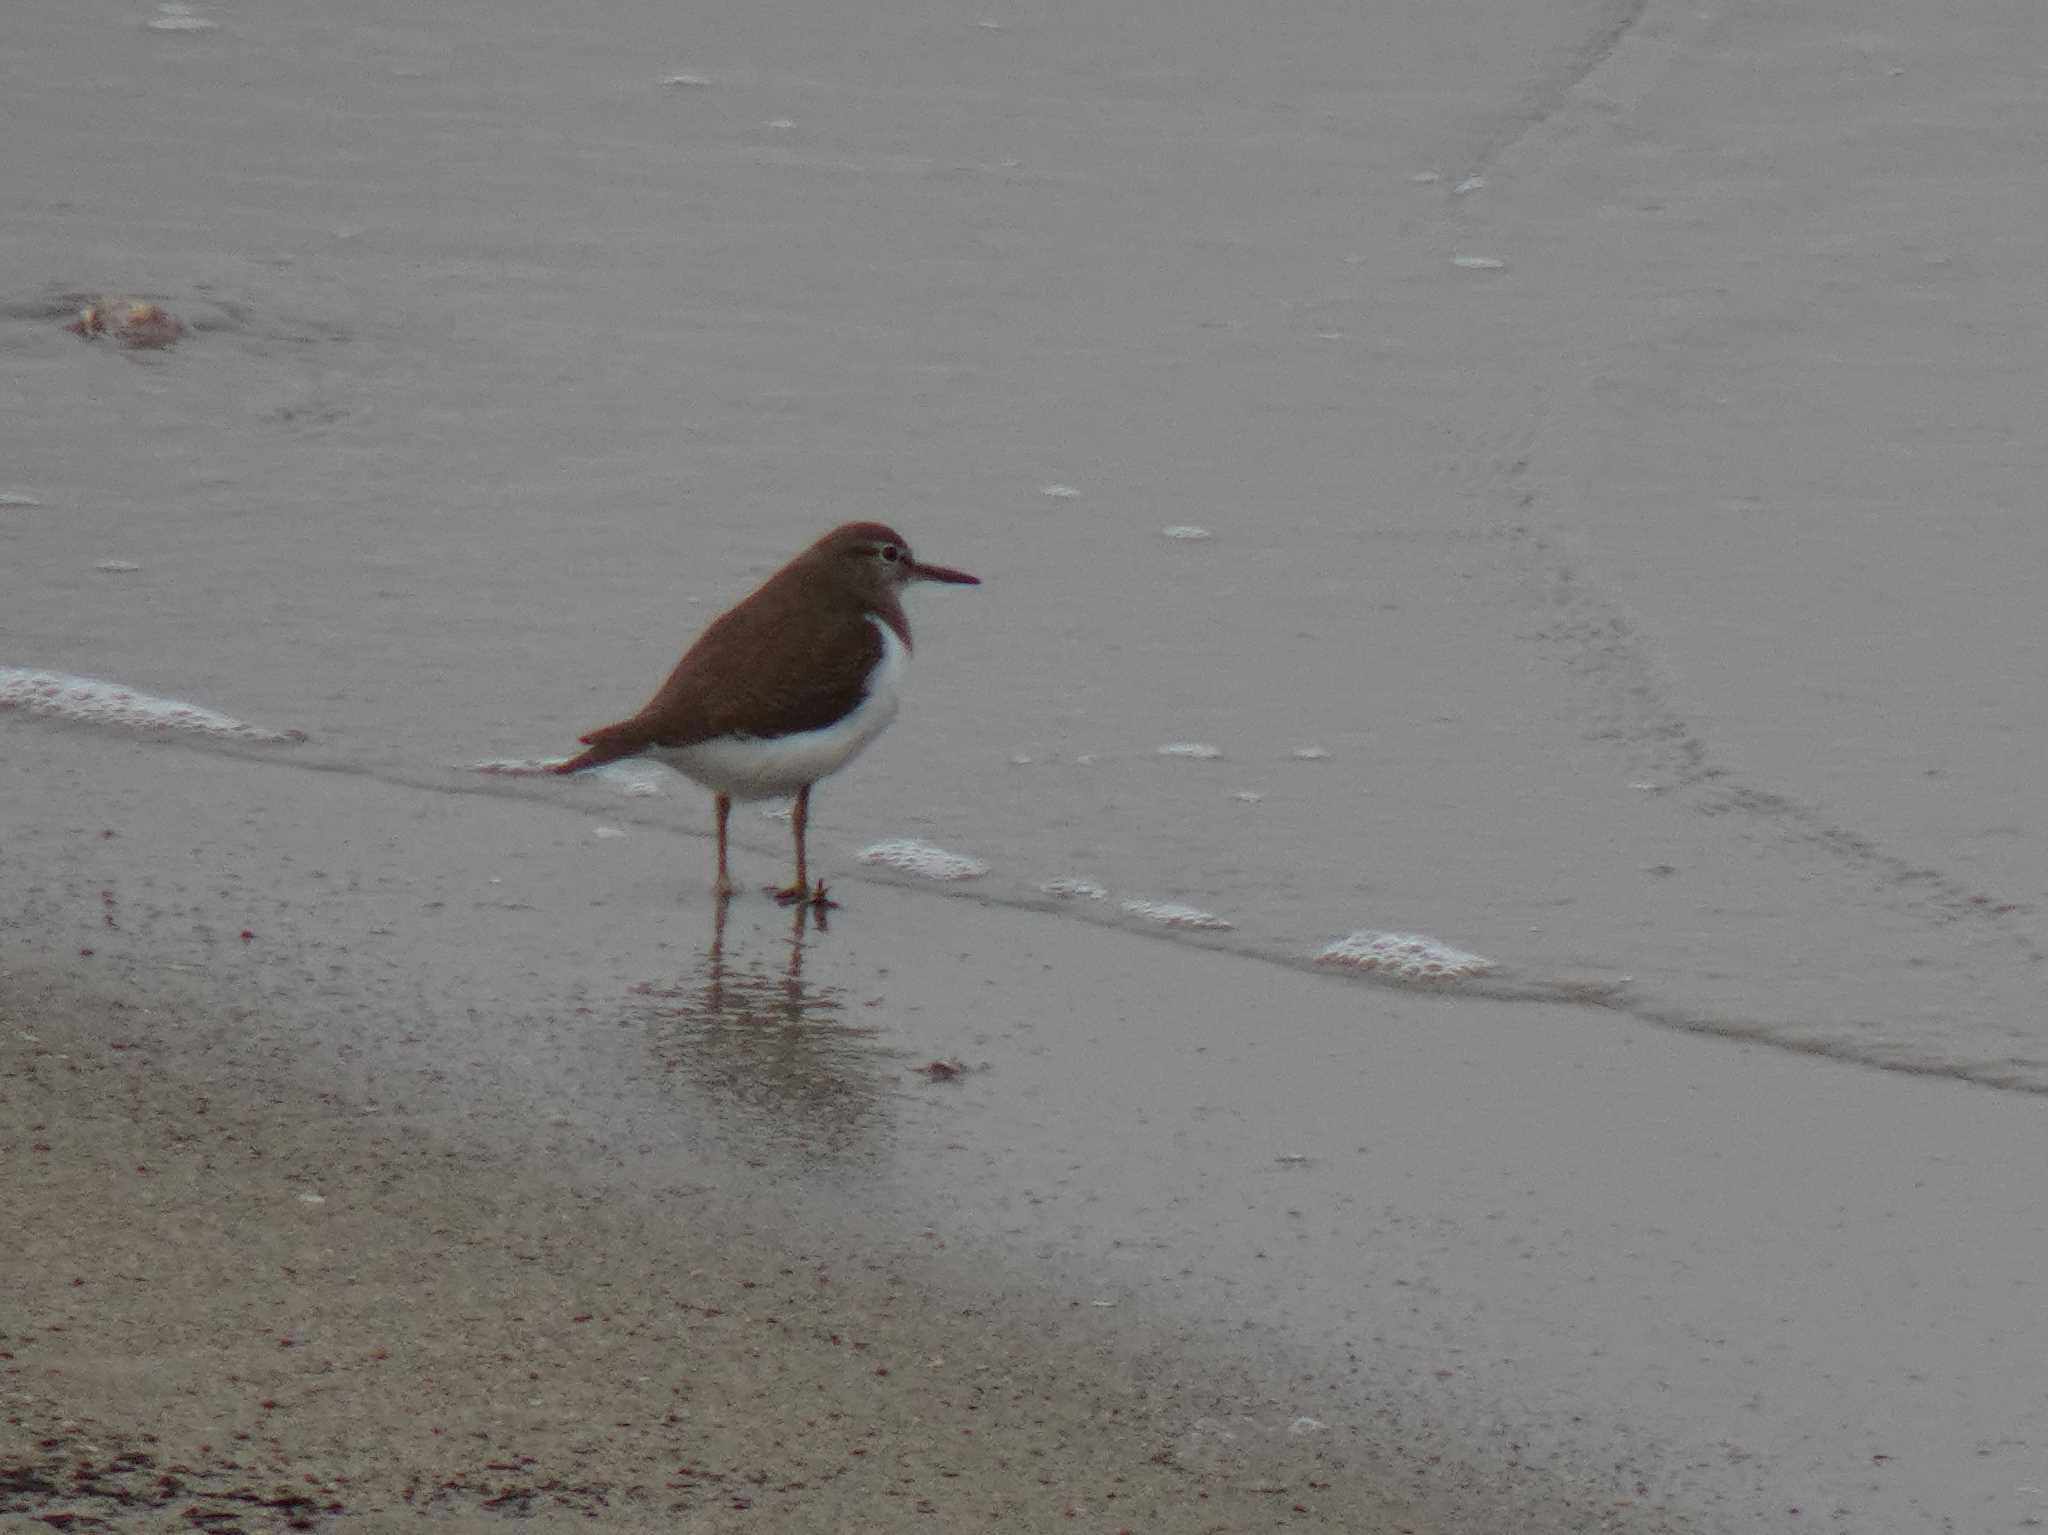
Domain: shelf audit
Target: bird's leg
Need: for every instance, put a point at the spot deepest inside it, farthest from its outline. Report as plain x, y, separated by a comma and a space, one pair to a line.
800, 889
799, 813
722, 886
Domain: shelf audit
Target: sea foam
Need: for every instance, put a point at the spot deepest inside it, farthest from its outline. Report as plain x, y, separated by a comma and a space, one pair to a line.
92, 701
1403, 956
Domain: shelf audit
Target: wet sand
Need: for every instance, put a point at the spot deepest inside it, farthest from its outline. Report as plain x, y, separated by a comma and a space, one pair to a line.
247, 1291
1571, 1265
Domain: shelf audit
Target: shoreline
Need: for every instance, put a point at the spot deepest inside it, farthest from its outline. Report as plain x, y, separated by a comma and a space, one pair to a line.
470, 1324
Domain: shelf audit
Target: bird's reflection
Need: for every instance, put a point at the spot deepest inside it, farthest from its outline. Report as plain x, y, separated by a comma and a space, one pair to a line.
771, 1053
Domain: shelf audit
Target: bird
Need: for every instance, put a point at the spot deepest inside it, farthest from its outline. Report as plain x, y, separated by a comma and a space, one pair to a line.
786, 687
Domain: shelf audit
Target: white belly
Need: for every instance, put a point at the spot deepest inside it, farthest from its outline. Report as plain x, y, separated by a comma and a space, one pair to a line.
768, 767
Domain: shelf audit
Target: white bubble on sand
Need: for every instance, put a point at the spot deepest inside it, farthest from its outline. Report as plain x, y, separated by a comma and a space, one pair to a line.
1403, 956
1478, 263
632, 777
1059, 492
686, 82
922, 859
1246, 796
517, 767
179, 18
625, 777
1072, 887
1186, 532
1173, 914
606, 833
1309, 753
1195, 749
91, 701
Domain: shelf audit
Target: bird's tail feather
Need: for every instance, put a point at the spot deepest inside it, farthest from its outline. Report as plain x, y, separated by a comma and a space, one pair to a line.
607, 745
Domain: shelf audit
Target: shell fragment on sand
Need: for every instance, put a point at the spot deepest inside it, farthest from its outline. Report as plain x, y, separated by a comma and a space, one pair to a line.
1403, 956
132, 322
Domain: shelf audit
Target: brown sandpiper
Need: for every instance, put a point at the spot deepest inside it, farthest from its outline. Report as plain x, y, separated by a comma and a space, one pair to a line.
786, 687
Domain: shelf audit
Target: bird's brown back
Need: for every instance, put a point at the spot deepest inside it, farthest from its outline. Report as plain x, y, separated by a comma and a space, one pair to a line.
778, 664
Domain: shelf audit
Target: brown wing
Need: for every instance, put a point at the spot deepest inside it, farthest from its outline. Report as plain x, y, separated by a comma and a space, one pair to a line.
773, 666
608, 744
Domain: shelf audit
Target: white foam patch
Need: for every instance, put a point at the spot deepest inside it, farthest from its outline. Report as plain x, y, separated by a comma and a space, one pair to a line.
632, 777
1478, 263
1172, 914
625, 777
1309, 753
922, 859
1073, 887
1059, 492
18, 498
179, 18
1195, 749
1404, 956
91, 701
1186, 532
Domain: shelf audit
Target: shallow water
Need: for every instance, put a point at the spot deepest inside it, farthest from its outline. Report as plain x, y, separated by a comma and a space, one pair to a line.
1510, 1232
510, 365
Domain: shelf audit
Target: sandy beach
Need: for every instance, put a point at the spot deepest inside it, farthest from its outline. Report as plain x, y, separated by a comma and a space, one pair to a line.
481, 1320
1553, 483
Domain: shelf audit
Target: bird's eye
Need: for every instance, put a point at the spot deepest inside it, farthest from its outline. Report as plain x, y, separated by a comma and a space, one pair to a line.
891, 553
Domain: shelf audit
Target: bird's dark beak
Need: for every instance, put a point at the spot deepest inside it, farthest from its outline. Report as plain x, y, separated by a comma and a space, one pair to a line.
918, 571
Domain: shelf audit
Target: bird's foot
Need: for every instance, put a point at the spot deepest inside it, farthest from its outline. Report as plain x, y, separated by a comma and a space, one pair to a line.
797, 895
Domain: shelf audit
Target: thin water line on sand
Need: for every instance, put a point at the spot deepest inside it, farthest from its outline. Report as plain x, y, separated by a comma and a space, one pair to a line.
1618, 998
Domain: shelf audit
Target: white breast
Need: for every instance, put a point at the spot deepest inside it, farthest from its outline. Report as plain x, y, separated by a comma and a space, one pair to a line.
757, 767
